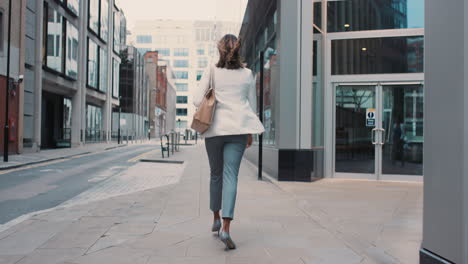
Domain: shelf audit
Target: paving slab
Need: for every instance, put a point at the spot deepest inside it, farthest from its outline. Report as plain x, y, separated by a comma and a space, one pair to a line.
328, 221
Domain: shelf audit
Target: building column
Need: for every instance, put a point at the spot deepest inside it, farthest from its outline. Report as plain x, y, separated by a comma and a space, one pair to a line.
445, 228
38, 76
78, 103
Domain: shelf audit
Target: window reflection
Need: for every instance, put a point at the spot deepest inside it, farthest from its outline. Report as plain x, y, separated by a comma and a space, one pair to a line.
378, 55
104, 71
104, 19
72, 51
93, 19
116, 78
93, 66
74, 6
55, 44
116, 31
357, 15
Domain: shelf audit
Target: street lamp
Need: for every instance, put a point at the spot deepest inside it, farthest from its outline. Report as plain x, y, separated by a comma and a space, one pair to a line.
120, 111
7, 89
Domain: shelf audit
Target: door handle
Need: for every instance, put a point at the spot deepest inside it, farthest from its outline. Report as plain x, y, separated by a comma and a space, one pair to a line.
383, 136
374, 142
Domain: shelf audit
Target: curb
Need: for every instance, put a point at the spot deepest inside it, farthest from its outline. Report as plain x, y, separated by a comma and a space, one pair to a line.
16, 166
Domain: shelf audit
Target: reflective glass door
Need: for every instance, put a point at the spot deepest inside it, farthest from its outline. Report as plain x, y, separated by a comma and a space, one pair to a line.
354, 148
379, 130
402, 121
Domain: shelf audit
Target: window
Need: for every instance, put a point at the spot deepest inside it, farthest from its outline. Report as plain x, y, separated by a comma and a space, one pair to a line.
199, 75
181, 75
202, 62
181, 52
378, 55
374, 15
93, 123
116, 32
55, 43
182, 99
71, 63
93, 18
181, 111
164, 52
93, 64
2, 26
181, 64
144, 39
143, 50
182, 124
116, 78
200, 50
103, 71
182, 87
74, 6
104, 20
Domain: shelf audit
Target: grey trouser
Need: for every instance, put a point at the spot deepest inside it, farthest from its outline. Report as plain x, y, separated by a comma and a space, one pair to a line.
225, 156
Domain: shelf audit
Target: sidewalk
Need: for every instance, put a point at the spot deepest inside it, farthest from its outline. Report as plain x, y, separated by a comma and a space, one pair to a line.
21, 160
330, 221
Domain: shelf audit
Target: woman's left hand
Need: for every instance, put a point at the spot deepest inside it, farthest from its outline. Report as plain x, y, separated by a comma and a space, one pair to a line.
249, 141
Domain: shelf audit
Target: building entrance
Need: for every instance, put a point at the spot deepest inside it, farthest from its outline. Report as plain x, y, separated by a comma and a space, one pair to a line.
379, 130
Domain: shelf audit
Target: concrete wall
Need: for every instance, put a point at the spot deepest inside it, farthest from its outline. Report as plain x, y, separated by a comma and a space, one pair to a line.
446, 131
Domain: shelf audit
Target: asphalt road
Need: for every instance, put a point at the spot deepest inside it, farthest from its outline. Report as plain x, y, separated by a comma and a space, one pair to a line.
48, 185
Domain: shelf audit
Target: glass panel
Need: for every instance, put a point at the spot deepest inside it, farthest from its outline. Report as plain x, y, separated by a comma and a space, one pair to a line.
358, 15
55, 43
103, 71
378, 55
74, 6
116, 76
93, 21
181, 87
270, 81
181, 64
71, 66
403, 121
354, 150
104, 20
116, 31
317, 98
182, 99
181, 75
93, 65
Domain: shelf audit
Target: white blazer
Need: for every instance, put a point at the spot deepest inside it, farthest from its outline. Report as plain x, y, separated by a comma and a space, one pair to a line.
236, 97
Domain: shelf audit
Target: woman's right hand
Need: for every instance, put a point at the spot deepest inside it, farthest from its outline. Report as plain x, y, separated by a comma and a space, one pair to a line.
249, 140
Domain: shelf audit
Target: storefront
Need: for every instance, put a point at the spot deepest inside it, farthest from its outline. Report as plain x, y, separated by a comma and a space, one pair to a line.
343, 87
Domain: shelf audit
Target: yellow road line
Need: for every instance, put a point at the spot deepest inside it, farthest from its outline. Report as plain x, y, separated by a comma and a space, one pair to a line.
139, 157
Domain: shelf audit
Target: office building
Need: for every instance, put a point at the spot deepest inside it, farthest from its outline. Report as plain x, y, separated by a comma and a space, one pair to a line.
343, 87
72, 69
133, 96
16, 91
162, 95
187, 47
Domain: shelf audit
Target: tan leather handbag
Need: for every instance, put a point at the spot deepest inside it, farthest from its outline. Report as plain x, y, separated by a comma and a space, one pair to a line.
204, 115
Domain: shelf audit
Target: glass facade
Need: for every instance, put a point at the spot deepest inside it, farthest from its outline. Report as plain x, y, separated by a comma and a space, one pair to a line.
74, 6
94, 123
181, 64
182, 87
144, 39
71, 65
104, 20
103, 69
360, 15
181, 111
378, 55
181, 52
93, 17
55, 44
182, 75
117, 31
93, 64
182, 99
115, 78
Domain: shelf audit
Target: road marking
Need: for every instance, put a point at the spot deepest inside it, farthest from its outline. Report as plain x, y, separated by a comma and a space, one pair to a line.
139, 157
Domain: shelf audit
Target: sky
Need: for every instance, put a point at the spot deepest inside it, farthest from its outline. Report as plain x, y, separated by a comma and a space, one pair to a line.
226, 10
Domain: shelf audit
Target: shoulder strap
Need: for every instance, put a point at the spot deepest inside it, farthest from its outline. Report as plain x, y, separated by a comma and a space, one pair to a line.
212, 82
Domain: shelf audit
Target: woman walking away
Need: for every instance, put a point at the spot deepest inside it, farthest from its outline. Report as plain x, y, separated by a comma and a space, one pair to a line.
231, 129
